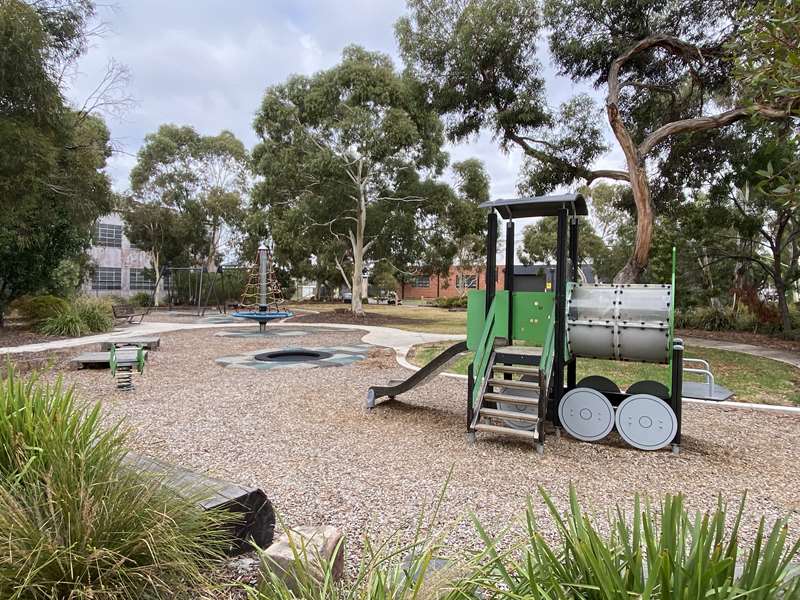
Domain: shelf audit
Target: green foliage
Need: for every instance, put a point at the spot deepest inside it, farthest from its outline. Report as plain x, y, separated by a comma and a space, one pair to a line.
52, 183
35, 309
767, 57
95, 313
143, 299
203, 178
651, 553
75, 522
66, 323
357, 133
456, 302
539, 243
711, 318
659, 553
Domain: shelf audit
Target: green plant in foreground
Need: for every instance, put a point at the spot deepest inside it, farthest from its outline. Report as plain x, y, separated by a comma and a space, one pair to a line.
75, 522
664, 554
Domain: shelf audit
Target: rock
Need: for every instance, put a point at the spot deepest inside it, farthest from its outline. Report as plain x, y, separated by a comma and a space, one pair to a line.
313, 546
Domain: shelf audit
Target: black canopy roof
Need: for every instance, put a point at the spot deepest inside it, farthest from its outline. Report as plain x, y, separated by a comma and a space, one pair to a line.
538, 206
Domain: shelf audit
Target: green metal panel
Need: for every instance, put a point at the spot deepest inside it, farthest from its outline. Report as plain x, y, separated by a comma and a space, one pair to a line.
533, 315
476, 315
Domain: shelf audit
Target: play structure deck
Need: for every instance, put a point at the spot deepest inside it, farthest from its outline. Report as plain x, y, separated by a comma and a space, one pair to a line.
527, 341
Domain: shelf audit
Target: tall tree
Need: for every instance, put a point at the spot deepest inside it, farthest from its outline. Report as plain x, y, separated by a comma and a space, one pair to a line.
52, 184
204, 177
334, 147
466, 222
666, 68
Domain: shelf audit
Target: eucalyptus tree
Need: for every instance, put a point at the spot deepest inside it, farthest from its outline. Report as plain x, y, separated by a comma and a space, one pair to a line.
334, 148
52, 157
665, 66
203, 177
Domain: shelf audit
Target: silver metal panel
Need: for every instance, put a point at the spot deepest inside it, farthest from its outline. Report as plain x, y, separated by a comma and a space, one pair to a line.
586, 414
646, 422
643, 343
591, 340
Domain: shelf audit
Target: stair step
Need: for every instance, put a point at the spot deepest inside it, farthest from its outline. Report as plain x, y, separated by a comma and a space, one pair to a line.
509, 399
514, 383
531, 435
516, 369
508, 414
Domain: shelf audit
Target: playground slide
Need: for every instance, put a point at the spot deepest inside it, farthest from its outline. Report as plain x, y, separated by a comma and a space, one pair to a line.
419, 378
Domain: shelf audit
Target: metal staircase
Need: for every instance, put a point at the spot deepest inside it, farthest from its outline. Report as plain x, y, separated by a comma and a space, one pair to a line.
511, 400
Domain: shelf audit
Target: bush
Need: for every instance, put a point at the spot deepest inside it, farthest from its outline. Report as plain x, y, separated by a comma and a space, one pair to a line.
457, 302
75, 522
96, 314
67, 323
35, 309
143, 299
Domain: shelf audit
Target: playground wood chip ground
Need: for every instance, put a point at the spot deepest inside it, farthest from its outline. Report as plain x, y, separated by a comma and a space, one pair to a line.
306, 439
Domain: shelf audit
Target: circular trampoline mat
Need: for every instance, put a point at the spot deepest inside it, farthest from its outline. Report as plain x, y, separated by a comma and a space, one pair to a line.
297, 358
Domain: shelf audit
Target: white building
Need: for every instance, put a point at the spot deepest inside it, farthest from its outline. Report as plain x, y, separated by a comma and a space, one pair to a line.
119, 266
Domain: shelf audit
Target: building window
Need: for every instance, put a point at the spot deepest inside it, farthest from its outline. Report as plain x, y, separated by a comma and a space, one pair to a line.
466, 282
141, 279
421, 281
107, 278
108, 235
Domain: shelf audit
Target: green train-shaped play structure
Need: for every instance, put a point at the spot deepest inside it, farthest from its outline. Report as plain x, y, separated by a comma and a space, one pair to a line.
527, 344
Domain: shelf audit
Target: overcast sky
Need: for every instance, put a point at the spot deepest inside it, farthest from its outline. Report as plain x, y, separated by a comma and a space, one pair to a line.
206, 63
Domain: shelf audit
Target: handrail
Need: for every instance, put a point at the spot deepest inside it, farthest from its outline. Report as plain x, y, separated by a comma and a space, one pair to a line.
546, 366
483, 352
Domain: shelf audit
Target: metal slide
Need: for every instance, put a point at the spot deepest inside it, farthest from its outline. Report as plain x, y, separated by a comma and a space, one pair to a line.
419, 378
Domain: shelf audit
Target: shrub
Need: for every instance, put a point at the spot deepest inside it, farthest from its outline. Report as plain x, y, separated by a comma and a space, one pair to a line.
35, 309
664, 553
457, 302
142, 299
66, 323
96, 313
74, 521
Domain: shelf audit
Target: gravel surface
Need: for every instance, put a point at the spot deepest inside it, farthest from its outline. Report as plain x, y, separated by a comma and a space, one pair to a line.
305, 438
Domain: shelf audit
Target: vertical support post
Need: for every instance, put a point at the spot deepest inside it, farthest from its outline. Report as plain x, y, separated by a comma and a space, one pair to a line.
572, 367
470, 388
676, 396
508, 282
491, 258
262, 277
560, 324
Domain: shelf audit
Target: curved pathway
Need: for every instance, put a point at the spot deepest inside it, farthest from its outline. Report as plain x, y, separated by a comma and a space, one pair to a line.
792, 358
401, 341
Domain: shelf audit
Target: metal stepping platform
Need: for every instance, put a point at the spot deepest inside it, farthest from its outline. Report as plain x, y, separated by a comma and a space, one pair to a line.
100, 360
148, 343
701, 391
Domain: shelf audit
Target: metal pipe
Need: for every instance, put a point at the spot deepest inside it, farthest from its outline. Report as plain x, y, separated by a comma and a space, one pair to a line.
491, 258
509, 280
262, 277
561, 309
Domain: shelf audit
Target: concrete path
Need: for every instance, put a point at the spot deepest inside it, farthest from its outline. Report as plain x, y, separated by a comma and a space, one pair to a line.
792, 358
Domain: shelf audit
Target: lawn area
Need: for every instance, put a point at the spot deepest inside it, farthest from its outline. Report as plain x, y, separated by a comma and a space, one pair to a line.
752, 378
410, 317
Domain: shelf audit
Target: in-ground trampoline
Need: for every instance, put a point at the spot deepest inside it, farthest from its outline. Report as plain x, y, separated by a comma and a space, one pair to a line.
297, 358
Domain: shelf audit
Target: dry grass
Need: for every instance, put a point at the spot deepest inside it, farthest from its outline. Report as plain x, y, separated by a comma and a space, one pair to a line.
305, 438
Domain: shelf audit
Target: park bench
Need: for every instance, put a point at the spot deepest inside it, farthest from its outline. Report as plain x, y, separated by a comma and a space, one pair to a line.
129, 312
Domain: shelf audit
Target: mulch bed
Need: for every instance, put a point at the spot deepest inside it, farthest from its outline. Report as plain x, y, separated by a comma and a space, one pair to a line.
345, 316
15, 335
743, 337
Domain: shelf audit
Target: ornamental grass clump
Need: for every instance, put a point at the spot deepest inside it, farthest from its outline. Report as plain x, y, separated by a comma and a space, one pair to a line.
75, 522
666, 553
